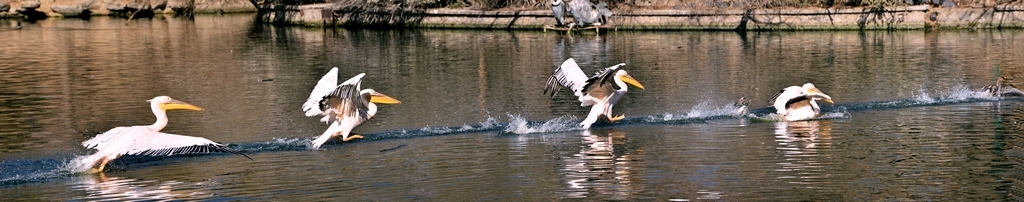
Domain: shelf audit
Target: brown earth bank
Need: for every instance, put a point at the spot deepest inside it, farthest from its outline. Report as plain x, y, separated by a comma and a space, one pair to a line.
536, 14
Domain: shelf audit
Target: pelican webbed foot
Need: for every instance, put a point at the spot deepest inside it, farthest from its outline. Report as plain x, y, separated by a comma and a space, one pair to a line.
102, 165
352, 137
617, 118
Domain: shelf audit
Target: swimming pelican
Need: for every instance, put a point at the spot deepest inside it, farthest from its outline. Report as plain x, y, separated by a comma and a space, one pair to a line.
596, 90
796, 103
344, 106
148, 140
1000, 90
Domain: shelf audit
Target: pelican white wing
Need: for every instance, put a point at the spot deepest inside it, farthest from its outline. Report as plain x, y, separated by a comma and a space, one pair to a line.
323, 87
139, 140
783, 99
341, 101
346, 101
102, 140
598, 91
589, 90
600, 86
568, 75
798, 103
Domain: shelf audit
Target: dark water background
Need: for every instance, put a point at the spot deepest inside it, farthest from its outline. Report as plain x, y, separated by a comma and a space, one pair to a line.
908, 123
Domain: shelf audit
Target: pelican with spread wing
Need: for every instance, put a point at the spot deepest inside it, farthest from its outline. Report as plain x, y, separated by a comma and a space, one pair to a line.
602, 90
344, 106
796, 103
148, 140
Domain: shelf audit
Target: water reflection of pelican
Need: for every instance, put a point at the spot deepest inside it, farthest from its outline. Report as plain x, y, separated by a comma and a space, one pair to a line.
599, 168
803, 143
101, 187
808, 133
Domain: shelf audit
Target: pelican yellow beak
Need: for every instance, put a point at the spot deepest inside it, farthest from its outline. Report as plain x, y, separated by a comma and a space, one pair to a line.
380, 98
824, 97
631, 81
813, 91
174, 104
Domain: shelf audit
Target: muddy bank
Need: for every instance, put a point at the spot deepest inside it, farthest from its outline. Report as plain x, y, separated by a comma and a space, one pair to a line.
904, 17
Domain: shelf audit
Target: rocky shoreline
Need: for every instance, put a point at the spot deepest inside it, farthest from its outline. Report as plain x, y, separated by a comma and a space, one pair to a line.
329, 15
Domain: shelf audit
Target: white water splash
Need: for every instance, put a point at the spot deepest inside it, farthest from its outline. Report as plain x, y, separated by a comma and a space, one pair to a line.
519, 125
923, 97
958, 93
834, 115
491, 122
962, 93
79, 164
705, 109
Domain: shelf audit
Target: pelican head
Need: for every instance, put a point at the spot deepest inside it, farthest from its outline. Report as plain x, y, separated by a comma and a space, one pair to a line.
377, 97
625, 77
810, 90
166, 103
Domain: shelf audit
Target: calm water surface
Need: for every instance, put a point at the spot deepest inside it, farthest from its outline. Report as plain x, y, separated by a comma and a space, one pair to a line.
908, 123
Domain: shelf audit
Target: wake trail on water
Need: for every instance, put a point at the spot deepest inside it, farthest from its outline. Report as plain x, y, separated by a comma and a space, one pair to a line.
27, 171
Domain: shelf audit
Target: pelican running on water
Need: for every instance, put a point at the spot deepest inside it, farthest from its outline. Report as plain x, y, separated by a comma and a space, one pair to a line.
796, 103
344, 106
148, 140
602, 90
1001, 90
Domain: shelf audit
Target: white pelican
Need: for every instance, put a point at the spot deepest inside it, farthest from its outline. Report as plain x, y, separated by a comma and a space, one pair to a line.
1000, 90
148, 140
798, 103
597, 90
344, 106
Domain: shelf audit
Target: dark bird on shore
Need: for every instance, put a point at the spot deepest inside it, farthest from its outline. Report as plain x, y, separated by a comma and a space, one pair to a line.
586, 14
1000, 90
558, 10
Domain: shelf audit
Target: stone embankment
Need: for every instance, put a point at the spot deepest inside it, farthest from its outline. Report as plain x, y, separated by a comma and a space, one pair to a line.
83, 8
905, 17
